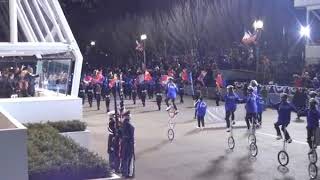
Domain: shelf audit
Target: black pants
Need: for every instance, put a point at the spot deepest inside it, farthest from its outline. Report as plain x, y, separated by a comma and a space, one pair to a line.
181, 94
134, 97
159, 100
283, 127
98, 98
228, 114
201, 119
90, 99
218, 100
310, 134
259, 117
150, 92
173, 102
108, 103
143, 98
83, 98
251, 118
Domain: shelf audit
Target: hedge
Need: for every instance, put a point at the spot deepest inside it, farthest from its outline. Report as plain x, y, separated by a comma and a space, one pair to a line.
54, 157
64, 126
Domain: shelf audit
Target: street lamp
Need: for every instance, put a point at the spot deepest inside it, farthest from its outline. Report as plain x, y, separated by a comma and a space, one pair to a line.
93, 43
258, 26
305, 33
144, 38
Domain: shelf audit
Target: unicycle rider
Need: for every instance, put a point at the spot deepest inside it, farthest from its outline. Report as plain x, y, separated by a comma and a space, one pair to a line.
171, 92
284, 109
231, 99
201, 112
313, 116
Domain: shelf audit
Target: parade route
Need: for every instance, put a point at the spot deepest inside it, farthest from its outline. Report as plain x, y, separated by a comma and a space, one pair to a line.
202, 154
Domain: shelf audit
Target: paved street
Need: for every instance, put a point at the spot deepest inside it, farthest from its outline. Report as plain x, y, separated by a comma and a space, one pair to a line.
196, 154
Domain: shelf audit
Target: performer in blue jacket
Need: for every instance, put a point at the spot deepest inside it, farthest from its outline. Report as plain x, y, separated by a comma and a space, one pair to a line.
231, 99
201, 112
284, 109
313, 116
171, 91
260, 106
251, 107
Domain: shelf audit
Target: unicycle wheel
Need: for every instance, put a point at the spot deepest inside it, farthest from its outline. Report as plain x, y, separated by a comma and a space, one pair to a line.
231, 143
283, 158
170, 134
313, 156
252, 139
253, 149
313, 170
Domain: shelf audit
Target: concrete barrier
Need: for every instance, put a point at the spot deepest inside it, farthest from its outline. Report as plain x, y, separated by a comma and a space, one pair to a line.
13, 151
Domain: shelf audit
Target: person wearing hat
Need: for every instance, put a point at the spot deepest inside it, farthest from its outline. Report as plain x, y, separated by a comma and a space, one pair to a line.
98, 91
314, 94
201, 109
158, 92
90, 93
284, 109
313, 116
82, 92
254, 84
127, 146
171, 91
144, 93
113, 146
251, 107
300, 99
231, 99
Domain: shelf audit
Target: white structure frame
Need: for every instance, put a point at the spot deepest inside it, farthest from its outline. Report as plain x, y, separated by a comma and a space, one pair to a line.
49, 33
312, 51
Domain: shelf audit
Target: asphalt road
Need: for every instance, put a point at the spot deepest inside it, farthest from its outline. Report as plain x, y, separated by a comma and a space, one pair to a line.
202, 154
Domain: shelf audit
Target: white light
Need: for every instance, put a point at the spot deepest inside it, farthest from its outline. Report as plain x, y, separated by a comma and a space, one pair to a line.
92, 43
305, 31
143, 37
258, 24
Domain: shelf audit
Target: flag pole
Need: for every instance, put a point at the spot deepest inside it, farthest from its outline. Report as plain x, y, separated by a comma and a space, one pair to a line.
192, 88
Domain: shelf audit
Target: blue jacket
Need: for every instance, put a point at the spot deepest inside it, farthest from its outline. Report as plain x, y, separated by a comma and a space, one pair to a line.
251, 104
284, 112
231, 101
172, 90
201, 109
260, 104
313, 116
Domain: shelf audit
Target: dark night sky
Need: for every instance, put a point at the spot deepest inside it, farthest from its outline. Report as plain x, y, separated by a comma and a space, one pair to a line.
95, 19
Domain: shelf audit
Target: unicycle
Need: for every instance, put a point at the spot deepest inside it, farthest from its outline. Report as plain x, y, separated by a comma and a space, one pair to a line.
231, 142
171, 126
283, 157
252, 140
313, 156
252, 133
313, 171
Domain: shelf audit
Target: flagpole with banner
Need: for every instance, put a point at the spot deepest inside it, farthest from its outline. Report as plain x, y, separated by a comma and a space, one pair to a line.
191, 80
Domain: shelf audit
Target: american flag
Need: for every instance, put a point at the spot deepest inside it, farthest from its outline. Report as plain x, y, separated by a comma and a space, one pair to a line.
139, 46
249, 38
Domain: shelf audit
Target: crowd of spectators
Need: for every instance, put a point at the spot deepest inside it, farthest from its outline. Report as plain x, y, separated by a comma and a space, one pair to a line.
17, 81
22, 82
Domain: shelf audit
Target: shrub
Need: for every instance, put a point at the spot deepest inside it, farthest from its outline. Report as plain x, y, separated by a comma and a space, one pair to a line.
54, 157
63, 126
